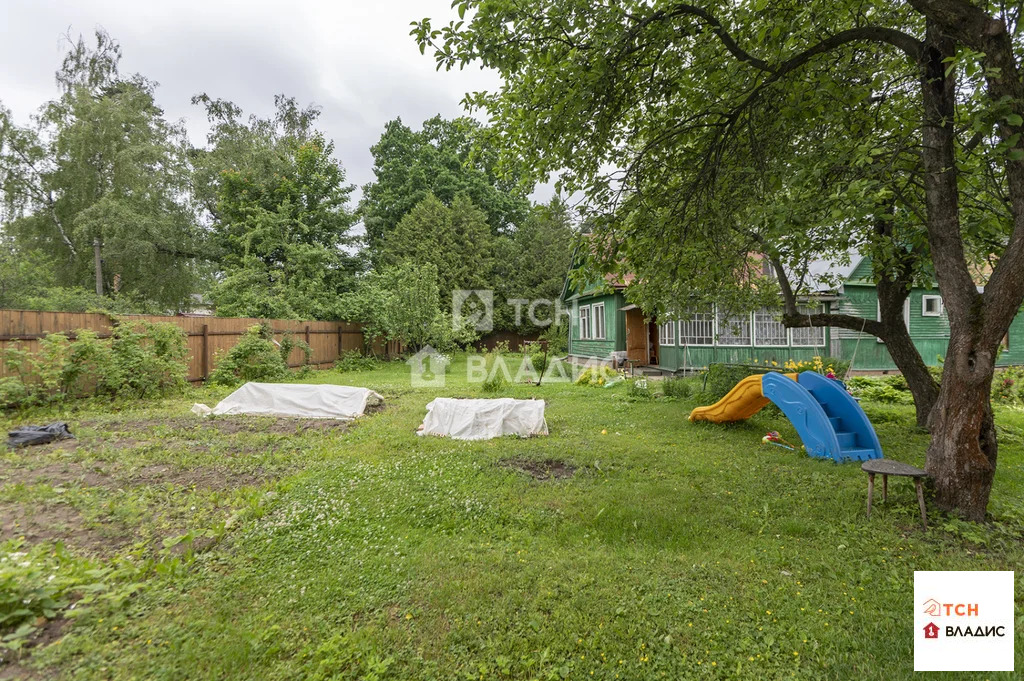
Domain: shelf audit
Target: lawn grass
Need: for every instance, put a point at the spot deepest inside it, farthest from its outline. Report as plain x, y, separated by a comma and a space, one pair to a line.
674, 551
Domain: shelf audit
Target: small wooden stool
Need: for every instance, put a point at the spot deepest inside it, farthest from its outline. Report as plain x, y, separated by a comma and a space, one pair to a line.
887, 467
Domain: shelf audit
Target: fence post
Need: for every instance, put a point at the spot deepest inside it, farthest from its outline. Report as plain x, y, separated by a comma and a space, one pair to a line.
206, 352
341, 335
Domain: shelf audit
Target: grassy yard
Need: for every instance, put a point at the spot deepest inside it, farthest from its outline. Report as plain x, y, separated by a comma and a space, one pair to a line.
259, 549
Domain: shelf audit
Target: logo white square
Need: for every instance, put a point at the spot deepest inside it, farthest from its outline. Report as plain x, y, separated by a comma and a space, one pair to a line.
963, 621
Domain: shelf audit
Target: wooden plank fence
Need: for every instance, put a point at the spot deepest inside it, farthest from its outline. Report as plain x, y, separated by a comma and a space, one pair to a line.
207, 336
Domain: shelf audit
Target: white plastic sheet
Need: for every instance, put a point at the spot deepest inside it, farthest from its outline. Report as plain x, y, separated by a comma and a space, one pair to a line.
484, 419
295, 399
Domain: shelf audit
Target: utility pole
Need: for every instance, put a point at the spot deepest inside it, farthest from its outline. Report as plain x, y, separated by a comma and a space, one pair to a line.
98, 263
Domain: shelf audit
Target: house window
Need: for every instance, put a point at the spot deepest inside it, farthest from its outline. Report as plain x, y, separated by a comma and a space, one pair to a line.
667, 333
931, 306
698, 329
811, 336
733, 329
769, 331
906, 314
597, 312
585, 322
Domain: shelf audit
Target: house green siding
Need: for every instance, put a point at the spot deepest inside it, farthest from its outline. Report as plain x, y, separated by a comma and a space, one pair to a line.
856, 297
930, 334
678, 357
615, 327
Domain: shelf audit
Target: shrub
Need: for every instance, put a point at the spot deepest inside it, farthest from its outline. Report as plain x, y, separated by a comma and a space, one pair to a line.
253, 358
540, 360
599, 376
638, 389
353, 360
139, 360
886, 389
496, 380
557, 336
1008, 386
676, 387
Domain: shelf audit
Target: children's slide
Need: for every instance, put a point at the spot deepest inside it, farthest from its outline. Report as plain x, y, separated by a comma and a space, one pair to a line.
829, 421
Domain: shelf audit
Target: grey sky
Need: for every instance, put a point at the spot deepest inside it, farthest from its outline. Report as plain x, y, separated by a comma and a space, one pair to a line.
354, 59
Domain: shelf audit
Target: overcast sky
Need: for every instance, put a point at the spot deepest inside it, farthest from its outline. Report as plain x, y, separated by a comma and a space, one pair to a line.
355, 59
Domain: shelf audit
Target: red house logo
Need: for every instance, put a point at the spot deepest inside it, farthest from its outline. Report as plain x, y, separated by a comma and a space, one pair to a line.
931, 630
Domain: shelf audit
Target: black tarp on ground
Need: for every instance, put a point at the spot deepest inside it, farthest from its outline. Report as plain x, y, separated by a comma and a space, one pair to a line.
38, 435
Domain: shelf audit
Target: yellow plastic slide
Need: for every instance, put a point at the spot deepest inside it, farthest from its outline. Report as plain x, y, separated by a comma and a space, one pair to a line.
742, 402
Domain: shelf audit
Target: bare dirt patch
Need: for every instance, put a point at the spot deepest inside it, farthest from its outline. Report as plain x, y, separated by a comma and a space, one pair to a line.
59, 475
59, 522
203, 477
548, 469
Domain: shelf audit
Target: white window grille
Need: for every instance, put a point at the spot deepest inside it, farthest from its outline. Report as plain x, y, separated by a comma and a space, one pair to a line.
931, 306
811, 336
733, 329
768, 330
585, 322
597, 312
697, 329
667, 333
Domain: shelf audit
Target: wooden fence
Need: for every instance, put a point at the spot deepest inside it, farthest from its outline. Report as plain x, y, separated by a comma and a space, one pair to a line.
206, 335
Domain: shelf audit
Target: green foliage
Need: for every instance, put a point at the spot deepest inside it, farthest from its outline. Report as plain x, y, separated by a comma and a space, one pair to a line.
638, 389
496, 379
1008, 386
540, 360
599, 376
102, 165
278, 205
254, 357
531, 265
456, 240
557, 337
139, 360
444, 160
402, 303
354, 360
676, 387
885, 389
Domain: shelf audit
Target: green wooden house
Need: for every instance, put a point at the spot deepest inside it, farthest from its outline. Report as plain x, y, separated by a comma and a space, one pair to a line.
605, 327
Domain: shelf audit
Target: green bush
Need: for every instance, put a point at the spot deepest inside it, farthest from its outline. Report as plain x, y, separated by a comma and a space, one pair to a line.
557, 336
638, 389
1008, 386
353, 360
254, 358
886, 389
598, 376
540, 360
676, 387
495, 379
139, 360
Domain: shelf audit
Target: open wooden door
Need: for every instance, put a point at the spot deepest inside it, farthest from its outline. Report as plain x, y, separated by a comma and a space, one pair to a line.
636, 336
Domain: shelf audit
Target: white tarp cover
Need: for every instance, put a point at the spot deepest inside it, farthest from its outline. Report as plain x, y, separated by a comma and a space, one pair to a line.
484, 419
295, 399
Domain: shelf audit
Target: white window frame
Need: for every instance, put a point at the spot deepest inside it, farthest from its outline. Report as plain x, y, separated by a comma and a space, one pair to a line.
670, 337
819, 330
758, 342
707, 317
738, 318
585, 315
925, 299
906, 314
599, 333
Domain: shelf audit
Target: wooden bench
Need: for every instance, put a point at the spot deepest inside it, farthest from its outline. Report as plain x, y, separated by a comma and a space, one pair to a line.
887, 467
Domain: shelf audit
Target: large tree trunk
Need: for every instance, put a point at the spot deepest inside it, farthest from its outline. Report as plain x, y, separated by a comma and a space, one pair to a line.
962, 453
961, 457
